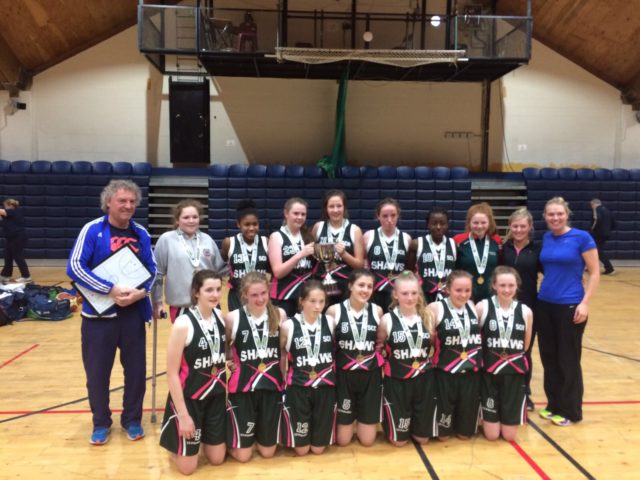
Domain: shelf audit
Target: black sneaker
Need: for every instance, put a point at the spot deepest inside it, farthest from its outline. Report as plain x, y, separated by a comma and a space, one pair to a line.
609, 272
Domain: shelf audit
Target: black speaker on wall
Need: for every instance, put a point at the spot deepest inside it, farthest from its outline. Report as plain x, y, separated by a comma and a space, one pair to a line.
189, 121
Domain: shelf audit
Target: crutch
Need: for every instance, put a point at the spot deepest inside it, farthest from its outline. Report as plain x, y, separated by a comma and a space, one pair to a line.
154, 371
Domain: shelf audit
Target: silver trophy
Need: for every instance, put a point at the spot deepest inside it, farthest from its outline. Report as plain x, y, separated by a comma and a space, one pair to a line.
326, 253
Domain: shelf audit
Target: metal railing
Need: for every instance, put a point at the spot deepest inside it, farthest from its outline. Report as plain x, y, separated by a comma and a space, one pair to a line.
487, 37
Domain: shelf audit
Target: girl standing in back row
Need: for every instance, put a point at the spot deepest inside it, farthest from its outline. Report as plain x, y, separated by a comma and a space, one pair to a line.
245, 252
291, 256
387, 248
434, 255
479, 249
179, 254
335, 228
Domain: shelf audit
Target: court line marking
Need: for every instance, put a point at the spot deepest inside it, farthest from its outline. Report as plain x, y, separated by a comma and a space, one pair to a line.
425, 460
561, 450
612, 354
72, 402
35, 345
532, 463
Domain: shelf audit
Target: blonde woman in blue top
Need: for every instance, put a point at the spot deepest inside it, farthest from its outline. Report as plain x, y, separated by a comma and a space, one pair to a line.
563, 309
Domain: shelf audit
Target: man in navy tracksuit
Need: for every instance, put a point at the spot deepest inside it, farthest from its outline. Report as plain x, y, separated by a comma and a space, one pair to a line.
123, 325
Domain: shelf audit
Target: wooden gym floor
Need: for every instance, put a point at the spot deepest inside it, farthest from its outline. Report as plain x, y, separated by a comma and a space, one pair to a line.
45, 420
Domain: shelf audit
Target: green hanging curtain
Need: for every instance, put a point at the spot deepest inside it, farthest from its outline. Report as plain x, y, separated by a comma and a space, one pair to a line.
331, 163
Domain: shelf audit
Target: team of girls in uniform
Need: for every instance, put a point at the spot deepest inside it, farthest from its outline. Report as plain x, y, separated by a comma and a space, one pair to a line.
506, 333
255, 385
407, 333
562, 311
309, 407
179, 253
479, 249
457, 359
307, 379
387, 248
434, 255
290, 252
196, 373
358, 375
521, 252
245, 252
335, 228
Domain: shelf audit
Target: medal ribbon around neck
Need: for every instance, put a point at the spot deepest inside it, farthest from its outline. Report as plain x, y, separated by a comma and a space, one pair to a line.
214, 345
194, 257
438, 260
249, 263
332, 238
414, 346
295, 245
464, 328
261, 343
359, 336
389, 257
312, 354
505, 334
481, 264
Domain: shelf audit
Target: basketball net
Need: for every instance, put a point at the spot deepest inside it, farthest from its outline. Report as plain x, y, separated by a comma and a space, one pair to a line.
397, 58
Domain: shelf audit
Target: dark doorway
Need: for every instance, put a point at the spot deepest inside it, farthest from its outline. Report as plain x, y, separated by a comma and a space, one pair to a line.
189, 122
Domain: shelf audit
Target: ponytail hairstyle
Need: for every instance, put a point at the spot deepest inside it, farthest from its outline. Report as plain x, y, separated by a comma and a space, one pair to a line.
304, 230
520, 214
458, 274
505, 270
387, 201
273, 314
199, 278
360, 272
423, 312
307, 288
244, 208
11, 203
325, 201
558, 201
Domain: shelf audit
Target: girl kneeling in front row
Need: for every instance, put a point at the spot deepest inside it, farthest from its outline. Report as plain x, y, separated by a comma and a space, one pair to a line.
358, 375
506, 328
407, 329
195, 411
458, 359
255, 386
306, 339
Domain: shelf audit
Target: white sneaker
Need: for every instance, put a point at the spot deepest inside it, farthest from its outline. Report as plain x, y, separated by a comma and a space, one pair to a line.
4, 279
24, 280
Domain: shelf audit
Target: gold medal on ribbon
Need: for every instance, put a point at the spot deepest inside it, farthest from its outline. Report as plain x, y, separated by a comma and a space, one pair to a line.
359, 358
262, 367
464, 355
313, 374
415, 365
503, 355
214, 370
480, 280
